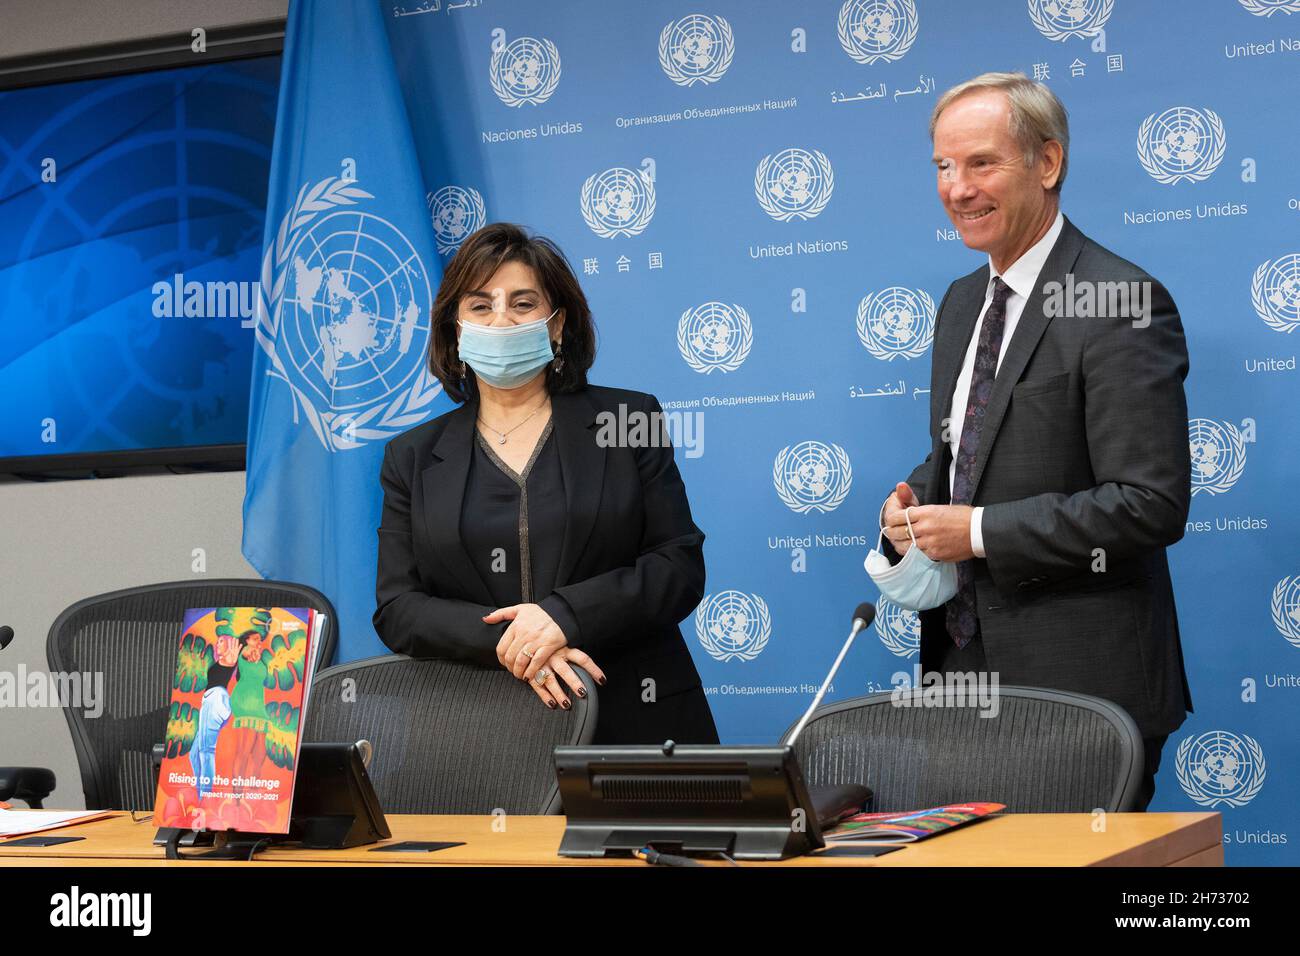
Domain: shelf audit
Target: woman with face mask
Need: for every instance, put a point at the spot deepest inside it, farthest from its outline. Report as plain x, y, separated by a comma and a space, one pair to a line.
515, 532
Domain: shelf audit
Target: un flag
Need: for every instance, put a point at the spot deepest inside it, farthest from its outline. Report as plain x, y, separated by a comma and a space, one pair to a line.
349, 272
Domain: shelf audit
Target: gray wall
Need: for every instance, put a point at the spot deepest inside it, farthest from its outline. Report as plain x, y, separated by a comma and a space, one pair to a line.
29, 27
61, 541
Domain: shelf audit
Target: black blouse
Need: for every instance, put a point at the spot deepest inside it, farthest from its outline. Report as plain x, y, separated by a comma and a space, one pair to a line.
512, 525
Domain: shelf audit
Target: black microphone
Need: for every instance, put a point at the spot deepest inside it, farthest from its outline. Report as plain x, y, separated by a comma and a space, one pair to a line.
863, 615
6, 635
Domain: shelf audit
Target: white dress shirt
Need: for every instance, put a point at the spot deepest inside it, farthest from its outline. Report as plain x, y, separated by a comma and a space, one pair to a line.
1022, 277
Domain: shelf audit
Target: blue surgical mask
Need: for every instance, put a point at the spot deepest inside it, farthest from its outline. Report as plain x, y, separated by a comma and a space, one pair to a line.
506, 356
916, 582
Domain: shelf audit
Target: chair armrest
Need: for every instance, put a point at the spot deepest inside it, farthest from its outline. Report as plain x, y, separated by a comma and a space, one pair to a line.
29, 784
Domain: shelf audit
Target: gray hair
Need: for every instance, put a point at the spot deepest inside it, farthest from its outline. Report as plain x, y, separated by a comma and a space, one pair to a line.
1037, 116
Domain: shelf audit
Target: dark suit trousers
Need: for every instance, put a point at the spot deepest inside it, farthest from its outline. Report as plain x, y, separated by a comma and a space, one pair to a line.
971, 658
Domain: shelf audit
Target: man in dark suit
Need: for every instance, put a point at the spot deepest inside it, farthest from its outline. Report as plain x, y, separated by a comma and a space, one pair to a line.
1059, 468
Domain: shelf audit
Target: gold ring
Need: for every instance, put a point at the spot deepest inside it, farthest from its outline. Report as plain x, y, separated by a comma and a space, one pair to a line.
541, 677
527, 653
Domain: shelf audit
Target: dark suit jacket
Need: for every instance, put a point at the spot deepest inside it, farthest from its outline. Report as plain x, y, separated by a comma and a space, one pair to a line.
1084, 447
631, 563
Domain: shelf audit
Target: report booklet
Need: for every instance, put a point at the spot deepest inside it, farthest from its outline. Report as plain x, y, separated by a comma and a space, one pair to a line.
907, 827
239, 697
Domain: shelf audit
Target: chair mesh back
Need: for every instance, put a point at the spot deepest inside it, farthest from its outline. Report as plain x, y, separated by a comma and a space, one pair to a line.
131, 637
449, 737
1044, 752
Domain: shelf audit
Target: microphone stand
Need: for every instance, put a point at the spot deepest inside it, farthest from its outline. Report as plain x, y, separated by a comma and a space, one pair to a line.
859, 622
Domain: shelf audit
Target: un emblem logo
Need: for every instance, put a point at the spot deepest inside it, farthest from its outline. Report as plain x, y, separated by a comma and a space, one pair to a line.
733, 625
696, 49
1181, 143
1218, 768
812, 476
525, 70
1286, 609
456, 212
1266, 8
898, 628
343, 316
618, 202
896, 322
1062, 19
1275, 293
874, 30
715, 337
794, 184
1218, 455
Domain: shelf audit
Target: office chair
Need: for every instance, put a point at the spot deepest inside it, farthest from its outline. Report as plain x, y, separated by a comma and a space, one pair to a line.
1045, 751
132, 637
449, 736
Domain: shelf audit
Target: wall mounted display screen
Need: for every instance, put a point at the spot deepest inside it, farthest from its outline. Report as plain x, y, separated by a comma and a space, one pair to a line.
132, 210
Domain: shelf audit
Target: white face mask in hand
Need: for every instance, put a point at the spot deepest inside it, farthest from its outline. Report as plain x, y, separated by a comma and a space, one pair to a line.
917, 582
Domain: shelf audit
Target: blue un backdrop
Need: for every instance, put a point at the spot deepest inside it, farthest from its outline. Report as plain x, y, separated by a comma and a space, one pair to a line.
745, 190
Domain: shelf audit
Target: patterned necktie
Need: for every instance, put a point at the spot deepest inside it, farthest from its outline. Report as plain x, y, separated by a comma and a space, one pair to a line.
961, 619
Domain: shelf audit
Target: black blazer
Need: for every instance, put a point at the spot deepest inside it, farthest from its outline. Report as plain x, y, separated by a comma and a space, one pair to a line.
1084, 447
631, 563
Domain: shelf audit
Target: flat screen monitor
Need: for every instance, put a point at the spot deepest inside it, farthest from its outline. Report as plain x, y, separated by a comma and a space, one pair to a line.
747, 802
133, 207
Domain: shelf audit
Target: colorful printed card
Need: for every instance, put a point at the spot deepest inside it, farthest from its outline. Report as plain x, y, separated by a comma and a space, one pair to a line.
238, 698
908, 827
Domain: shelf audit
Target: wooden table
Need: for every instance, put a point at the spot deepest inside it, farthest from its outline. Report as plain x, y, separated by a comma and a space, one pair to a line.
1022, 839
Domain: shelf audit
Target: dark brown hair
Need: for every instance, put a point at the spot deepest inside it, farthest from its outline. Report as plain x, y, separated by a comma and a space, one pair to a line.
477, 259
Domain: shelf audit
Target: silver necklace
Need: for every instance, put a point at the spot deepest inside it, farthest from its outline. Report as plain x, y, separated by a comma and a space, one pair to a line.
501, 440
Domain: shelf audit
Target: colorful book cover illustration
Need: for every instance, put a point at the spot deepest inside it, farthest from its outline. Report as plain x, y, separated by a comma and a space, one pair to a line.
238, 697
908, 827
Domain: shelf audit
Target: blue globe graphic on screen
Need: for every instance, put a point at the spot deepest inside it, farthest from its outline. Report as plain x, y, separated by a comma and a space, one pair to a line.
152, 182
